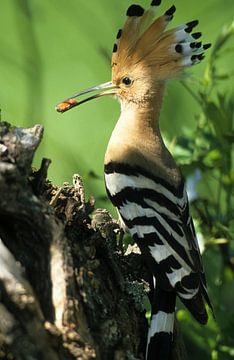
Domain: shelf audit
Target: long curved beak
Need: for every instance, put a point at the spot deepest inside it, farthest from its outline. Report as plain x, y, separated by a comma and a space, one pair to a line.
70, 102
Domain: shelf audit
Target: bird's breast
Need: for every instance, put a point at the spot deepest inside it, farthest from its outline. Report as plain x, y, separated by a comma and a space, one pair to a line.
136, 141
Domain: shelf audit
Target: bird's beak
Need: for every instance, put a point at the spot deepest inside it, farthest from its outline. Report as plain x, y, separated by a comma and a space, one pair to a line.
71, 102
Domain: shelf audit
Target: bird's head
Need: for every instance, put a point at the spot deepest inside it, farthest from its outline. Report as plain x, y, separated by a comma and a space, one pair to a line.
145, 55
132, 85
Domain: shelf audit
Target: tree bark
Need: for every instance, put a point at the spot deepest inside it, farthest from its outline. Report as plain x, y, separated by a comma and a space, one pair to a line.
67, 290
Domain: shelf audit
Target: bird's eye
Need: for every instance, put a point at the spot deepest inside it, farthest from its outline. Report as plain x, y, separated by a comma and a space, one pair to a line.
127, 81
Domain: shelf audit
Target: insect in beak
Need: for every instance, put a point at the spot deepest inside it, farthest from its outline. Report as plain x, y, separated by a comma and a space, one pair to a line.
71, 102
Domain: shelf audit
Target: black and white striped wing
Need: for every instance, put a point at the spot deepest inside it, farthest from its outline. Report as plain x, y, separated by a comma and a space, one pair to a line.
157, 216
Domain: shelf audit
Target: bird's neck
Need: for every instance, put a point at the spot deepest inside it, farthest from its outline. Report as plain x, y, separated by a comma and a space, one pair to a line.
146, 113
137, 127
136, 140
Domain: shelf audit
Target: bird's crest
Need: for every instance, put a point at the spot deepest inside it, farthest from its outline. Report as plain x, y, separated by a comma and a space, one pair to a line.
143, 42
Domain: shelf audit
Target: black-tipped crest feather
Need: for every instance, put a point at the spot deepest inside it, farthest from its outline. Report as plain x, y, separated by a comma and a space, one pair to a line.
135, 10
171, 11
144, 43
156, 2
119, 34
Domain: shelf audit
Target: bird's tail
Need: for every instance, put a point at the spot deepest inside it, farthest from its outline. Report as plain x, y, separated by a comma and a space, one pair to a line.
160, 334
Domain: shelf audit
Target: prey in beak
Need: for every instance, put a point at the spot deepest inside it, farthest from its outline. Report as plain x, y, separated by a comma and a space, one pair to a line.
72, 102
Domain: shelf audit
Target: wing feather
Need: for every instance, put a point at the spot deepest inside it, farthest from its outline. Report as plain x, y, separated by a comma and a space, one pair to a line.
148, 205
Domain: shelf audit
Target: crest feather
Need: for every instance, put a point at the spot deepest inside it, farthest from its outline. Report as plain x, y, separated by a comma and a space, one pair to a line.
148, 41
137, 22
144, 42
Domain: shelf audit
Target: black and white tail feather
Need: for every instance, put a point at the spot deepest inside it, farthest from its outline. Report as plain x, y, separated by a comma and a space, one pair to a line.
157, 216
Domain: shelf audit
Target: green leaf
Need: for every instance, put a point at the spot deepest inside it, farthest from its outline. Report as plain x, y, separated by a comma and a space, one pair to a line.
212, 158
218, 118
214, 355
225, 35
222, 77
227, 349
217, 241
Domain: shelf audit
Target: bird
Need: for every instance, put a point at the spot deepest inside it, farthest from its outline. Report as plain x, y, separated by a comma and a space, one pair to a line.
142, 179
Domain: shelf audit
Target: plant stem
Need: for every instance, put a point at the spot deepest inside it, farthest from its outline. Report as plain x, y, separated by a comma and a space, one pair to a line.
191, 92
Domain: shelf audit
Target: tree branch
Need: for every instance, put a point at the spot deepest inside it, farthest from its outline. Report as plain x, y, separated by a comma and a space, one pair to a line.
66, 290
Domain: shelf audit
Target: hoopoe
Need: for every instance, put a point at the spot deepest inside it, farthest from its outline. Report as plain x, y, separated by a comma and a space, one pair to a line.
142, 179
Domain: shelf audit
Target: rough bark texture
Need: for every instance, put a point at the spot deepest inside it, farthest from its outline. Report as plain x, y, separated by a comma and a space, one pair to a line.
67, 291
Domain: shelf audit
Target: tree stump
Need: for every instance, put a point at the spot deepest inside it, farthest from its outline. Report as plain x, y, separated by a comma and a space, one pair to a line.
67, 291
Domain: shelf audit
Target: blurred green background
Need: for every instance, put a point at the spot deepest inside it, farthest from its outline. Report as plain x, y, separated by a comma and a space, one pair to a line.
52, 49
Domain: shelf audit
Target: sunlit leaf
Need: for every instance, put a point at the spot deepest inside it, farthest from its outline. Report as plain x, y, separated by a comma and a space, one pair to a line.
227, 349
218, 241
182, 315
212, 157
214, 355
228, 274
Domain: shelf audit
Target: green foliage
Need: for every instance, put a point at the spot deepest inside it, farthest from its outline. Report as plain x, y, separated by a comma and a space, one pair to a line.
209, 148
